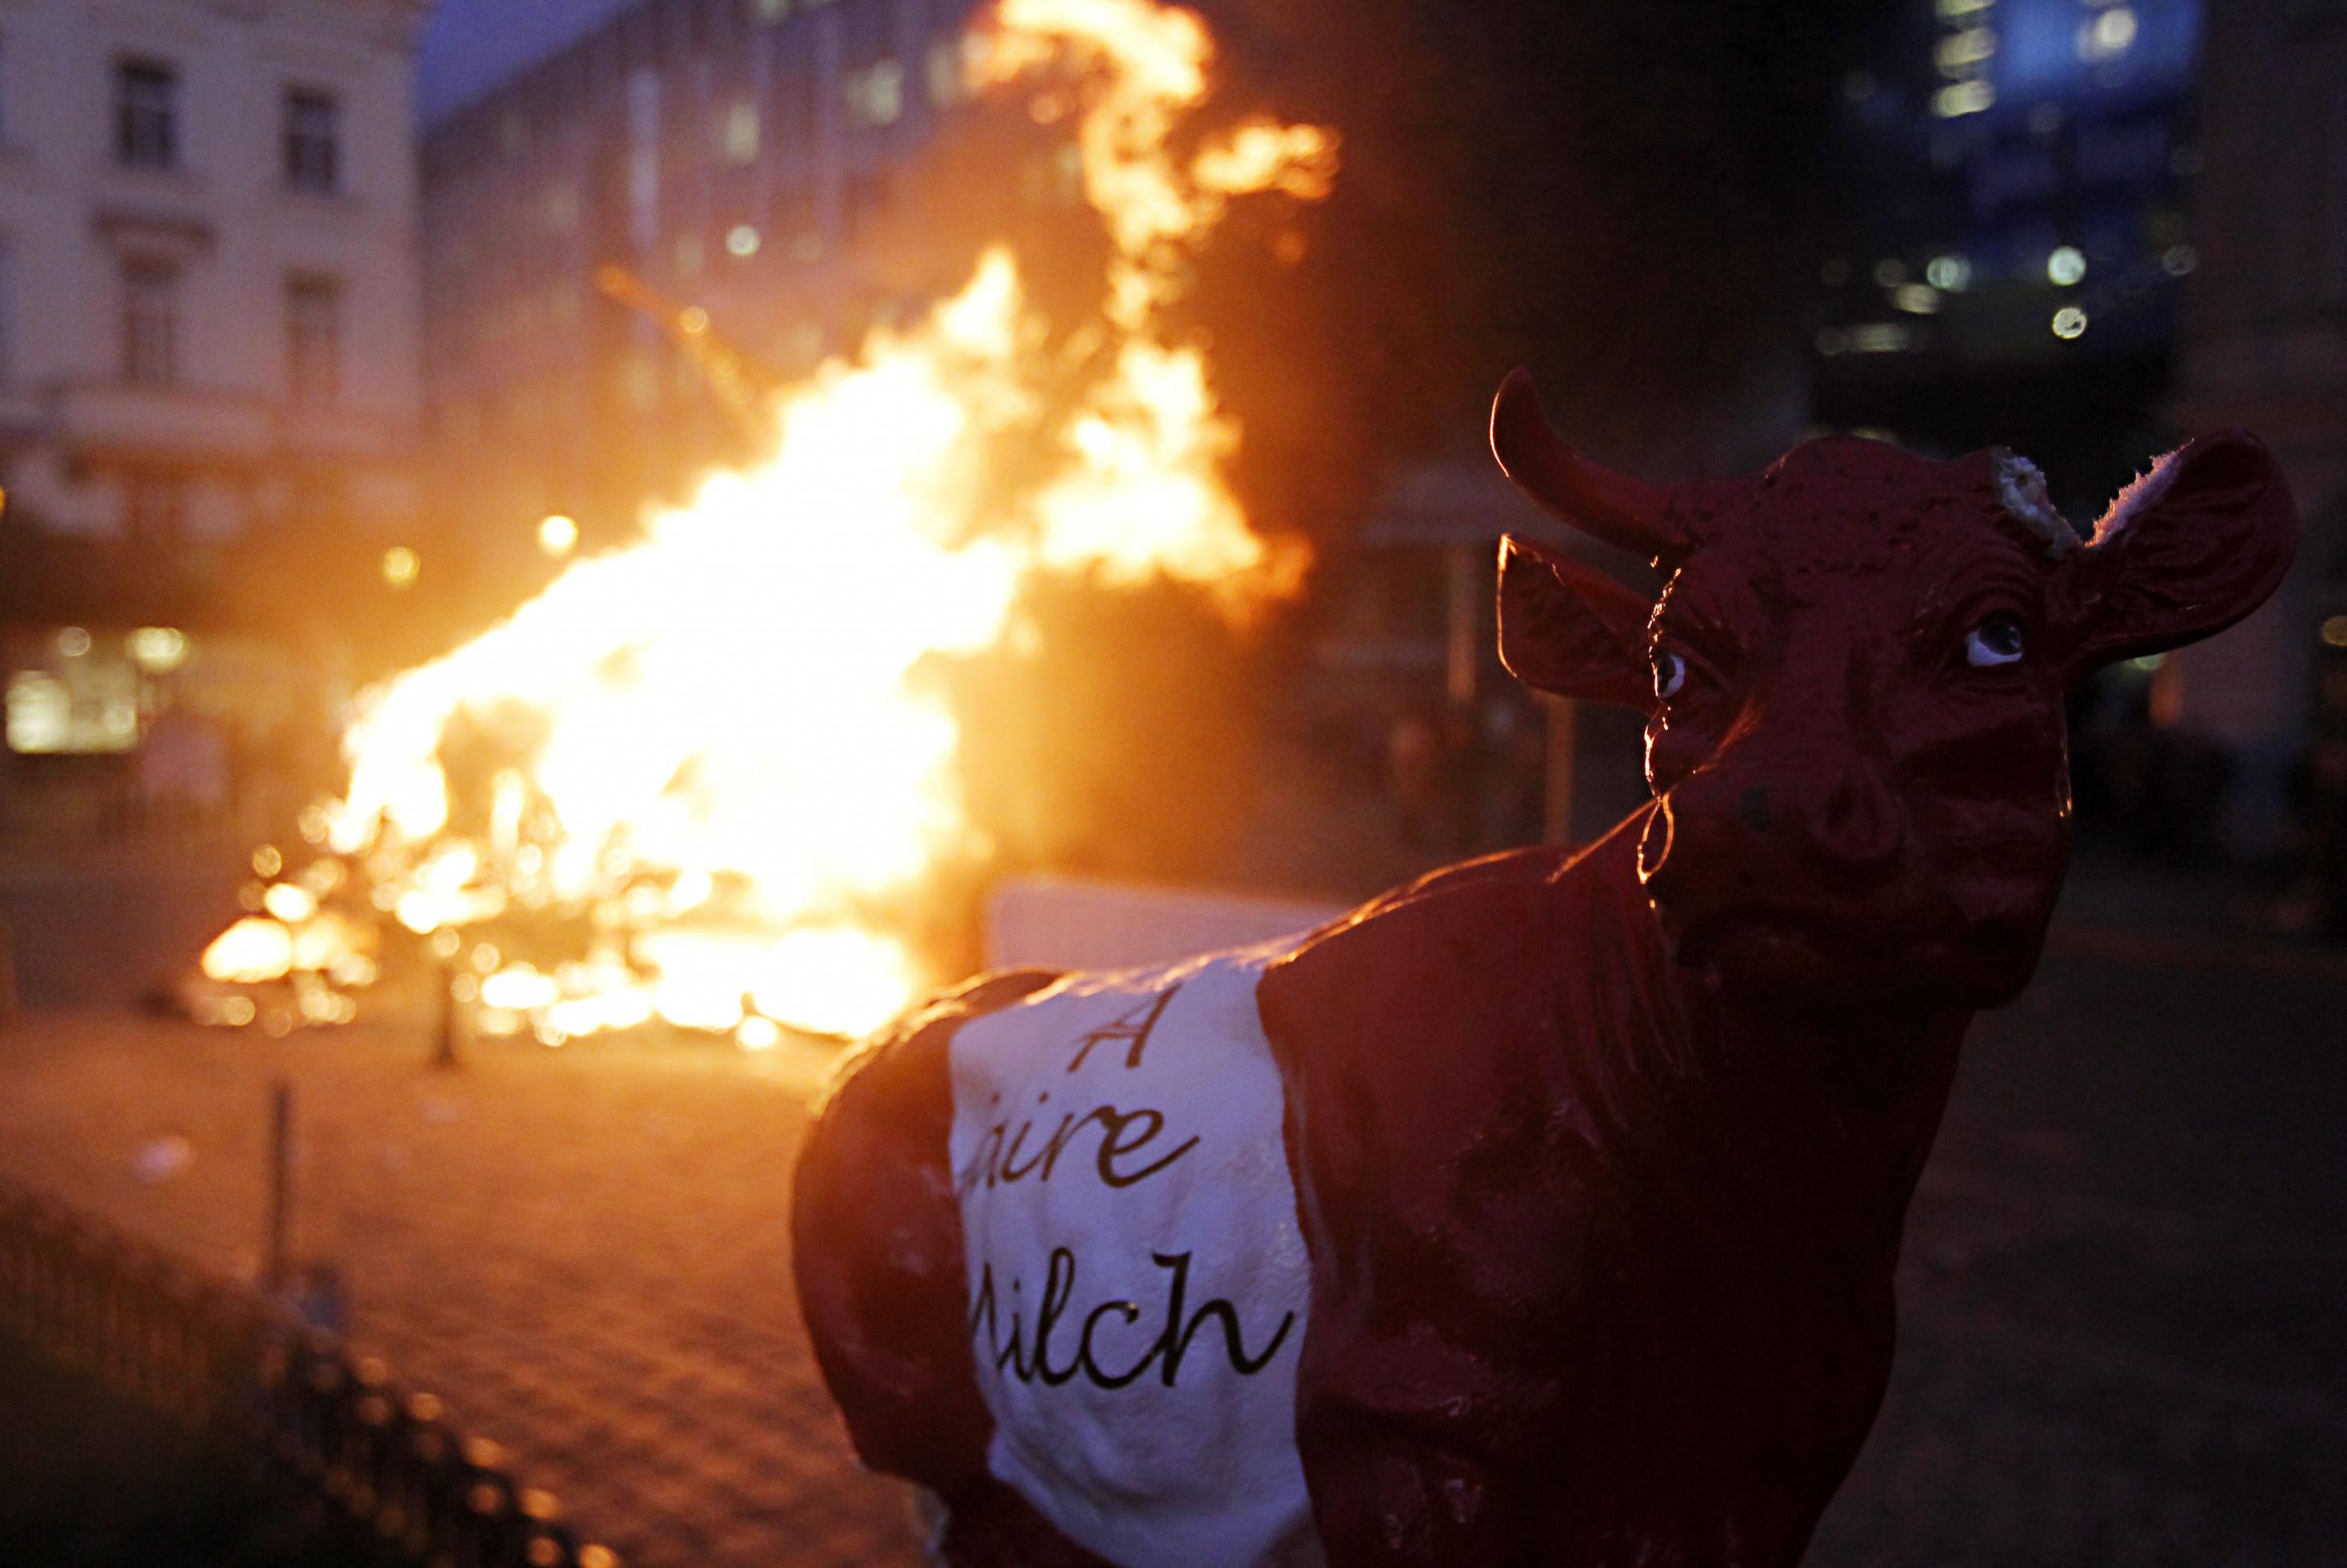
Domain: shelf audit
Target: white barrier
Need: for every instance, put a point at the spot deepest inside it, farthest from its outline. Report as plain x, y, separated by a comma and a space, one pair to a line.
1075, 923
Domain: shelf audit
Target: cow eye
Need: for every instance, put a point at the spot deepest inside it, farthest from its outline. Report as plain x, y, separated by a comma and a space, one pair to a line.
1670, 674
1997, 640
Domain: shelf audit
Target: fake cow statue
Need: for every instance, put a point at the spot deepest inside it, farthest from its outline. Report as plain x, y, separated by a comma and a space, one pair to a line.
1543, 1212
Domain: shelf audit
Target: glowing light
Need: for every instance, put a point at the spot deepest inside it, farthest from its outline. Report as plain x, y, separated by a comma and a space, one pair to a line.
2335, 631
267, 861
40, 713
2178, 261
399, 566
735, 779
1959, 98
158, 649
2065, 265
2069, 321
1879, 337
742, 240
251, 952
73, 643
290, 904
1916, 299
2108, 36
1952, 9
1950, 274
1958, 53
558, 535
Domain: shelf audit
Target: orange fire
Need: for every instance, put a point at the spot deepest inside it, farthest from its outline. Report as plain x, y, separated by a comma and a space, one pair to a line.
732, 770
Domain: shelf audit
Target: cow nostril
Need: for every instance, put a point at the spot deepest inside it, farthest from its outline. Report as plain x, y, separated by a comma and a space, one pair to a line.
1654, 842
1860, 820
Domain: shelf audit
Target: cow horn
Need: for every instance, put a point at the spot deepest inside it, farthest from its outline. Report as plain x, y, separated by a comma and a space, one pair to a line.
1598, 501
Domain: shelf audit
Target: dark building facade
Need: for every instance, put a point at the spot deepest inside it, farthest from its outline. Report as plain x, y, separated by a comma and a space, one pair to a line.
2009, 258
2265, 346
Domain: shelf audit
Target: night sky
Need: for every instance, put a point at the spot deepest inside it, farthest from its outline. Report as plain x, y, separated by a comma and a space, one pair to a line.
470, 46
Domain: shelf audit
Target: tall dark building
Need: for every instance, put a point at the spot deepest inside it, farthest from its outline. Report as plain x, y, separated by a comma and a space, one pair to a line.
2008, 260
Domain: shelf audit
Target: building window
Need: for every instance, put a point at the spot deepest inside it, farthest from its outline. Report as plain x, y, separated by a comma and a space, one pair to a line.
7, 308
150, 322
737, 133
876, 97
314, 147
155, 508
147, 114
313, 336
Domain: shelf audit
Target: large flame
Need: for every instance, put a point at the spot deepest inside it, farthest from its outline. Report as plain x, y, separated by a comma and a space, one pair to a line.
723, 757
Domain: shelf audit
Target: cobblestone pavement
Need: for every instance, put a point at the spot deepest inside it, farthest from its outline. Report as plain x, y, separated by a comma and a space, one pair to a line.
2123, 1340
583, 1251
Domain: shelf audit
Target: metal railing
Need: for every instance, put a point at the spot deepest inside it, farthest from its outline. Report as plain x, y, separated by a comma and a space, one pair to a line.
223, 1359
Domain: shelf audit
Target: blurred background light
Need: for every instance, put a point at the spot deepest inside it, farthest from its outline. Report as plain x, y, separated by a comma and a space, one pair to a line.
158, 649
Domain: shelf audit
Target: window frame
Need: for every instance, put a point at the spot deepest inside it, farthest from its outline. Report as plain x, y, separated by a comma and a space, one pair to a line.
147, 90
150, 320
314, 359
309, 155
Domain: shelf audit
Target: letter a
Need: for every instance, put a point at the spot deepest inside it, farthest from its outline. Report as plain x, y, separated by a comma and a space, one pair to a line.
1132, 1029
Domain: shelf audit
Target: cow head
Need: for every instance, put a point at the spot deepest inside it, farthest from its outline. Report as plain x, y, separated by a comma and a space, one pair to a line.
1853, 679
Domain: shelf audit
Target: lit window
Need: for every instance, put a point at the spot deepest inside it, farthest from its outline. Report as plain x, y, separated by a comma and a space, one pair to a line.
313, 337
150, 322
561, 209
1963, 99
945, 74
1958, 53
2108, 36
1879, 337
314, 149
877, 97
147, 114
737, 133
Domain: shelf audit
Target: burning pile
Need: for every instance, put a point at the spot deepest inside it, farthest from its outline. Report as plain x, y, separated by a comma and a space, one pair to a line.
701, 779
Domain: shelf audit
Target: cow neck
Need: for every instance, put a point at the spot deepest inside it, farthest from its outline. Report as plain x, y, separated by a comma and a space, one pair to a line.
1828, 1117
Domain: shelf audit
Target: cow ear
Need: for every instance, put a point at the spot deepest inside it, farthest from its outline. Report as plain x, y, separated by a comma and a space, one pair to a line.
2185, 552
1570, 630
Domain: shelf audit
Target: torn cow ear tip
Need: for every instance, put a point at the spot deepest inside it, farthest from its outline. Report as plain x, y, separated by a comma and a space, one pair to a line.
1515, 547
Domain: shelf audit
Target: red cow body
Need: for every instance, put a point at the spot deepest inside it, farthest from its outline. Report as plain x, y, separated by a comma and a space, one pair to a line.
1596, 1163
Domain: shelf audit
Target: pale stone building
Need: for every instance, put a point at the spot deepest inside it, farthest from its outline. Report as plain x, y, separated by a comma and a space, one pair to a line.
208, 296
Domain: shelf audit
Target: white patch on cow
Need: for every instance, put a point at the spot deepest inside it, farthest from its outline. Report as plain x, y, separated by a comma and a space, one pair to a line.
1138, 1284
2022, 487
2142, 493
